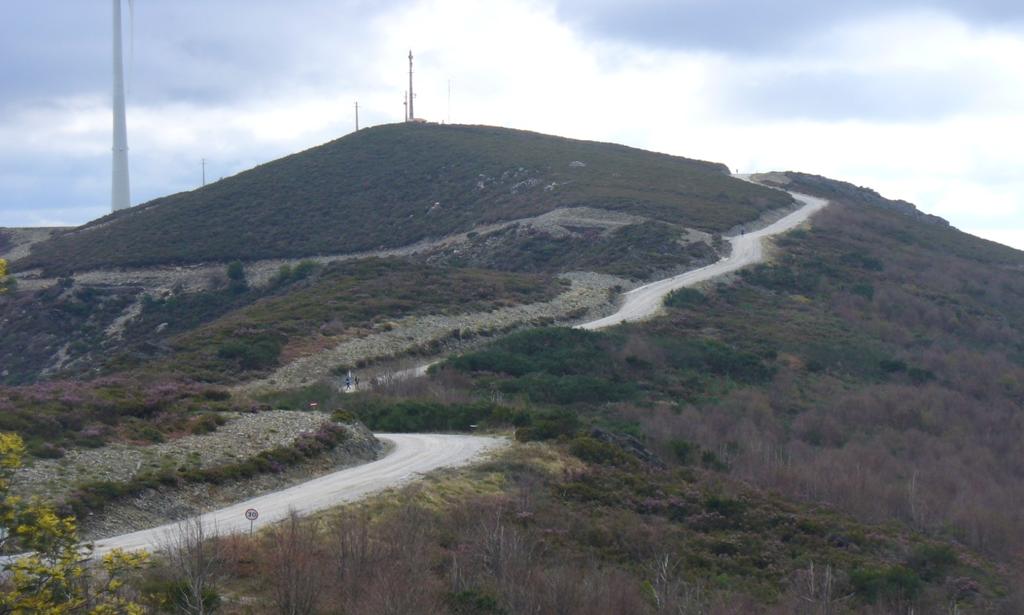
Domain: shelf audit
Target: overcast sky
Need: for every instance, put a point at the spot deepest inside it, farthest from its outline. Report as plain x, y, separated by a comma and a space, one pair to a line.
922, 101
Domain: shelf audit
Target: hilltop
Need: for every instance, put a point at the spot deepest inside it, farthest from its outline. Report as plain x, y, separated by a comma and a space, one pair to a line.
394, 185
836, 429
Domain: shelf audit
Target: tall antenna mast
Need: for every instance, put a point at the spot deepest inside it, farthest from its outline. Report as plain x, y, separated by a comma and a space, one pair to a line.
204, 171
120, 197
405, 105
411, 95
357, 116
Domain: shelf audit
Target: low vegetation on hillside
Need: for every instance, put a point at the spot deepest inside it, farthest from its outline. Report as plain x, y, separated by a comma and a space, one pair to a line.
393, 185
52, 416
636, 251
837, 430
56, 327
343, 300
875, 367
234, 329
583, 528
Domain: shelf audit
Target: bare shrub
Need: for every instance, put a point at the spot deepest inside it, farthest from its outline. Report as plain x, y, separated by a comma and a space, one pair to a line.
355, 552
195, 559
293, 568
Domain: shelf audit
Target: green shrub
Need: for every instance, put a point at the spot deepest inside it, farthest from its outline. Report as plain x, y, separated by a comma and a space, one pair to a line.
595, 451
710, 460
782, 278
546, 388
685, 452
885, 583
147, 433
710, 356
473, 602
44, 450
303, 270
343, 416
236, 271
206, 423
932, 562
174, 597
557, 351
891, 366
549, 425
216, 394
685, 297
416, 415
866, 291
920, 376
256, 352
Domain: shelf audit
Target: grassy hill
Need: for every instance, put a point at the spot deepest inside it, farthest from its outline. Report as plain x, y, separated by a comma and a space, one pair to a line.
836, 430
392, 185
850, 409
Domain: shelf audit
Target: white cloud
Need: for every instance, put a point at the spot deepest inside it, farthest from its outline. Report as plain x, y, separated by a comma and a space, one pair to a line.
514, 63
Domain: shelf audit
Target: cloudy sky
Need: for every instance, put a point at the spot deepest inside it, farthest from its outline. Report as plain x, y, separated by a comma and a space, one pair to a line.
920, 100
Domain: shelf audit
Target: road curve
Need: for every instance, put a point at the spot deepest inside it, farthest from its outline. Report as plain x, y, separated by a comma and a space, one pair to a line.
411, 456
644, 301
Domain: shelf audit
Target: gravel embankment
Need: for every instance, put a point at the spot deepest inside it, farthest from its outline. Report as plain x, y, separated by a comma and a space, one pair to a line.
588, 291
243, 436
156, 507
194, 278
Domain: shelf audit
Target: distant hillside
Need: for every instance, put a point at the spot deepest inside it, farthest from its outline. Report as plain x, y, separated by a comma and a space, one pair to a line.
16, 242
393, 185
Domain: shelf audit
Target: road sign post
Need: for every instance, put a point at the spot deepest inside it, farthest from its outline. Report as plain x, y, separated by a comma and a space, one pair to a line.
252, 515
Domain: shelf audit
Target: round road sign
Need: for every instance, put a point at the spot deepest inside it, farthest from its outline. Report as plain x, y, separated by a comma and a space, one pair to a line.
252, 514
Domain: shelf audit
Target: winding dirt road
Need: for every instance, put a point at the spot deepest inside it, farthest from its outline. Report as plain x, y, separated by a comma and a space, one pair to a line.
645, 301
411, 456
415, 454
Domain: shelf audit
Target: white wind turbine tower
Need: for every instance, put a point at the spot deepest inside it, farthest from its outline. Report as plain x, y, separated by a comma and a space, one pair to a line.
120, 197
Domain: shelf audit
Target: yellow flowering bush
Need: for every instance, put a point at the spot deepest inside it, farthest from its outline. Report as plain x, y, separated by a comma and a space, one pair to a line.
47, 566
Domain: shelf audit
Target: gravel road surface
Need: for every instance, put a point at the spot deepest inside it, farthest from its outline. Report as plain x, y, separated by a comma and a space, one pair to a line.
644, 301
411, 456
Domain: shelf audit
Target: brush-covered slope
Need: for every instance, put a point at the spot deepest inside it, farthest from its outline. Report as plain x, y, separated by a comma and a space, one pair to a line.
393, 185
873, 368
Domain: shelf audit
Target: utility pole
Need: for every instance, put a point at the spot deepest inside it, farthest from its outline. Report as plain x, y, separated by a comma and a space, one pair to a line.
204, 171
357, 116
412, 114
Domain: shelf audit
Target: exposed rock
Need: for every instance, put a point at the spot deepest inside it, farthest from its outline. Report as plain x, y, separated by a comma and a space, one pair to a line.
630, 445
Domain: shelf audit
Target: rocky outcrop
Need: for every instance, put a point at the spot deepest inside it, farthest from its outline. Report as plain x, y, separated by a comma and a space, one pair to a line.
630, 445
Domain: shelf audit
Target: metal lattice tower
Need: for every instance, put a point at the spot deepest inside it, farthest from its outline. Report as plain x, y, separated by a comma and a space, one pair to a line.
411, 95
